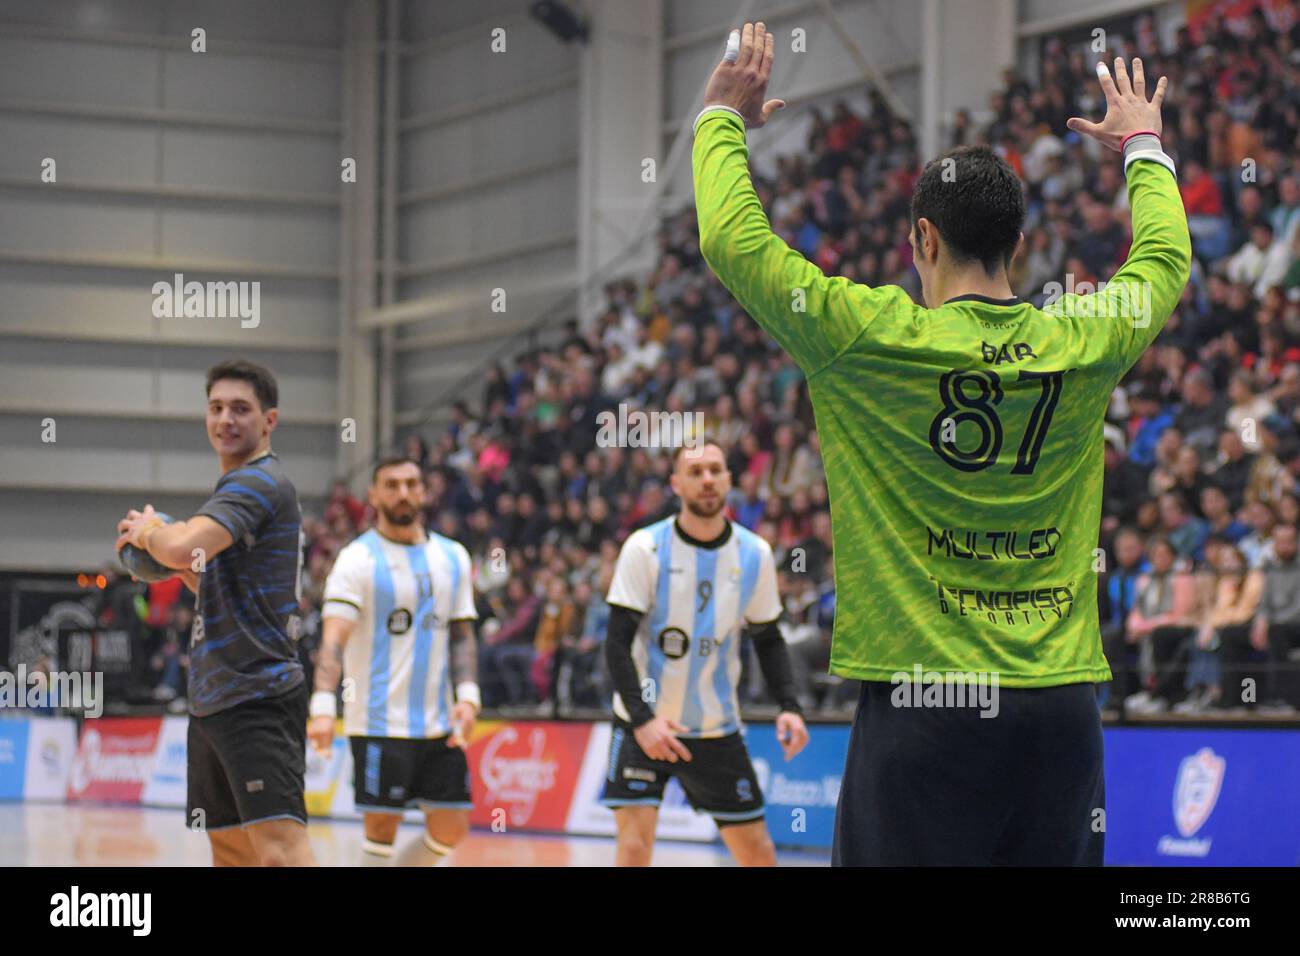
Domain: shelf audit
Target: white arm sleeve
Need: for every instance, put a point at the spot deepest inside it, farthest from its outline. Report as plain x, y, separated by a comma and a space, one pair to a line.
636, 574
345, 588
765, 603
464, 597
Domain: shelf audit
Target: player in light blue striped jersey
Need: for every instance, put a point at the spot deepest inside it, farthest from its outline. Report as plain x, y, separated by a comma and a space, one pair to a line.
398, 622
683, 591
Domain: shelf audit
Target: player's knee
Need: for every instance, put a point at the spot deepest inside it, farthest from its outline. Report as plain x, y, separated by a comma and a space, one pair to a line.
275, 854
230, 848
751, 844
447, 829
382, 827
635, 848
762, 852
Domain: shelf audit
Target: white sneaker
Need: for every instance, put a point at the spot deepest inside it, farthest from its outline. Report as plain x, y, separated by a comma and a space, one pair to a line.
1138, 702
1195, 704
1276, 708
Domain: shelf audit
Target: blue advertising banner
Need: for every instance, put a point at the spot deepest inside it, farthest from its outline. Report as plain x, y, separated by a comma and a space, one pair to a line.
1202, 797
1174, 797
13, 757
801, 794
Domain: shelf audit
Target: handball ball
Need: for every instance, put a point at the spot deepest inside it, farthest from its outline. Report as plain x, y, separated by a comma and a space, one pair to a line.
141, 565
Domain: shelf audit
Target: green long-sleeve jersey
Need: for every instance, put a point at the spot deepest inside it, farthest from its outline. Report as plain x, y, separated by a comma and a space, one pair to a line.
962, 444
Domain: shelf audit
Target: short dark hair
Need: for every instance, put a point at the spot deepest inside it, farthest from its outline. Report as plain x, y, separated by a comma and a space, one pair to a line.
259, 376
699, 442
978, 208
392, 460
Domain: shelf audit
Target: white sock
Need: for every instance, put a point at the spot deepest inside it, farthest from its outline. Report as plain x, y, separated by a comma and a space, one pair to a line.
374, 853
423, 852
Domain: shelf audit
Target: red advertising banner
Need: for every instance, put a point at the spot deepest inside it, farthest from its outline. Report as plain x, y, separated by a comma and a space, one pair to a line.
524, 774
115, 757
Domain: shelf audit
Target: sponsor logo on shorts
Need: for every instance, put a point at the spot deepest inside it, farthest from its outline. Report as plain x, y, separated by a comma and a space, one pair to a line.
637, 773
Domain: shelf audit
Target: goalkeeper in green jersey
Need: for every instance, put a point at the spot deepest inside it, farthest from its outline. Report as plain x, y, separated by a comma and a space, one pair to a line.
963, 448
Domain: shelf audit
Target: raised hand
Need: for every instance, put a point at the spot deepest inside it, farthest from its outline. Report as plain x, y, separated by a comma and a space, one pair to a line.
741, 84
1127, 109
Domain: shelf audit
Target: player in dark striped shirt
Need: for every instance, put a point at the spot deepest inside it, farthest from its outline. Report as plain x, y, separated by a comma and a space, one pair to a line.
241, 554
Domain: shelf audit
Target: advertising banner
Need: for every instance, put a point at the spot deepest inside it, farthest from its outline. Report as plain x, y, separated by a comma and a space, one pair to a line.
800, 794
1218, 797
1202, 797
115, 758
51, 745
13, 757
523, 774
165, 784
328, 777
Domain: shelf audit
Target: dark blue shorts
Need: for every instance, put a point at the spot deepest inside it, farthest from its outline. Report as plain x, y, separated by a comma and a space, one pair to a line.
394, 774
943, 786
247, 764
719, 778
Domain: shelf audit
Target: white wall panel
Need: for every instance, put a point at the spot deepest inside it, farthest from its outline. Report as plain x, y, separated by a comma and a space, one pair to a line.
508, 133
82, 151
79, 343
251, 86
466, 70
483, 220
290, 237
484, 144
425, 20
33, 69
50, 300
290, 162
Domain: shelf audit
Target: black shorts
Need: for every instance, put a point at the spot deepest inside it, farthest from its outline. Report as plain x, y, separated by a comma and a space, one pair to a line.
393, 774
943, 786
718, 780
246, 764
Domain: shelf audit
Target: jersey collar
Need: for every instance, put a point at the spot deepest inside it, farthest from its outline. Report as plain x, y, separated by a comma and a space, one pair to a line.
717, 542
987, 300
401, 544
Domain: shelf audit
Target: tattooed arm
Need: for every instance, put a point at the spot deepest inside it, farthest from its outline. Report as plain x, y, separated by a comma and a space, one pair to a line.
463, 651
329, 671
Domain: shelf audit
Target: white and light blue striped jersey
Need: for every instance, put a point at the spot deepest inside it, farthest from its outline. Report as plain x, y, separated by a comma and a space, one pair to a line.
695, 599
403, 597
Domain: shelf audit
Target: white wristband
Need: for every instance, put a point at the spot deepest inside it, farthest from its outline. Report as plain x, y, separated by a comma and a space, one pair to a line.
1146, 146
323, 704
467, 691
710, 109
